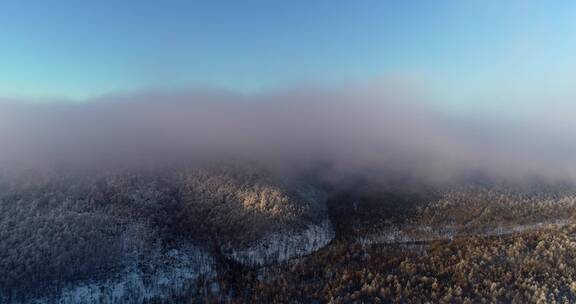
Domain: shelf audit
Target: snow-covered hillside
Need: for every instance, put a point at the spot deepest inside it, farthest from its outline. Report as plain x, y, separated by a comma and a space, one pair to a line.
128, 236
158, 276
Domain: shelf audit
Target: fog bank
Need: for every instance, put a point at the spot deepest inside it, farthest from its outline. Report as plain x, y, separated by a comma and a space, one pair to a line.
351, 130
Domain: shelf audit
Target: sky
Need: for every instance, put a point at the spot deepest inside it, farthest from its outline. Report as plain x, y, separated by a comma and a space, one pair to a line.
463, 54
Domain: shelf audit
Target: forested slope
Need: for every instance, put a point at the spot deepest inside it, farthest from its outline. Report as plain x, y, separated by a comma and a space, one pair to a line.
59, 230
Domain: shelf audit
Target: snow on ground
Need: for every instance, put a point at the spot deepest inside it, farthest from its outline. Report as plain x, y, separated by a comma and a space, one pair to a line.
402, 235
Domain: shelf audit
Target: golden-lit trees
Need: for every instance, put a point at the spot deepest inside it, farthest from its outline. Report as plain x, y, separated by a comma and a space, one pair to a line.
528, 267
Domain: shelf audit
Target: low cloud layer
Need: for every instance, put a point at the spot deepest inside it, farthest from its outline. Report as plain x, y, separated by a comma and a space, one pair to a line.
353, 130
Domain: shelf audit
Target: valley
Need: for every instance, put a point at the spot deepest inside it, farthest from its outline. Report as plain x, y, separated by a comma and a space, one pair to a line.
233, 234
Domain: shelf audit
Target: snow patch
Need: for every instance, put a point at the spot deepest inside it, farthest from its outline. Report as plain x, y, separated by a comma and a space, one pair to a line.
282, 246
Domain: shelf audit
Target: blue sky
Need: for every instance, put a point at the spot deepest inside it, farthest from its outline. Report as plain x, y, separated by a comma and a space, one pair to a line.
461, 52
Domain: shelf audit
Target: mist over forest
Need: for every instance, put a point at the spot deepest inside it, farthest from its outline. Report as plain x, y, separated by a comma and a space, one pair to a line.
357, 130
